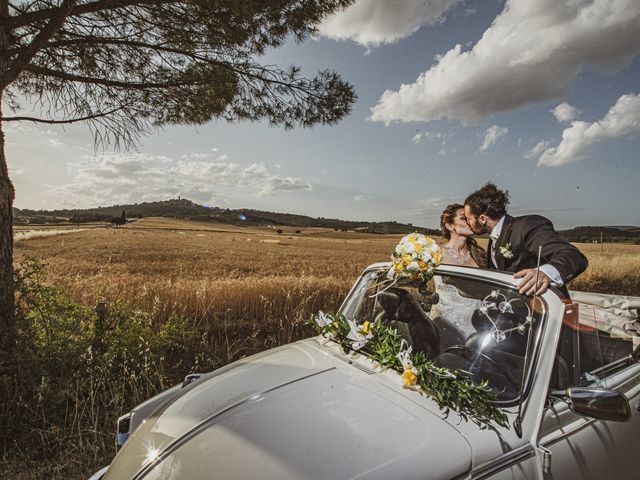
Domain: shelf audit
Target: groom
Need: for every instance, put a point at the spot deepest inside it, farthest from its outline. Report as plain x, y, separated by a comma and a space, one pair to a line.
514, 242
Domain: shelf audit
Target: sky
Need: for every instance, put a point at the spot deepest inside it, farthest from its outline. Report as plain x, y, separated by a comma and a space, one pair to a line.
539, 96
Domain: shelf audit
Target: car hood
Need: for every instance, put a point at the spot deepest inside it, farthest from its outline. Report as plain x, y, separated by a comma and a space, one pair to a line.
296, 412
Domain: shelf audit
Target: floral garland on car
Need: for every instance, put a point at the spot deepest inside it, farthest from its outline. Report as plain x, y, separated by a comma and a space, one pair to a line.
451, 390
415, 257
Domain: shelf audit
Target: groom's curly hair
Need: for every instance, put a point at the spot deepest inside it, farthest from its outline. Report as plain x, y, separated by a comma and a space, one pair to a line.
488, 200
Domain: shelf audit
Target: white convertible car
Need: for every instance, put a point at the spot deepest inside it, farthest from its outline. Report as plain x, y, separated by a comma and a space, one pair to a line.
566, 374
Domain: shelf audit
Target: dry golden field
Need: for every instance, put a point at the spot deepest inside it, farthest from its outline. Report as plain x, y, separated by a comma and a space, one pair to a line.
205, 270
247, 288
202, 269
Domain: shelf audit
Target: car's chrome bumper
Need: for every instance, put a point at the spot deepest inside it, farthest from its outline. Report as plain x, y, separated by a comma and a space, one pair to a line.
98, 475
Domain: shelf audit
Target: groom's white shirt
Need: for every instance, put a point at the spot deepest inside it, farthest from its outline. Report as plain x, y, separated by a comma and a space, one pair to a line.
549, 270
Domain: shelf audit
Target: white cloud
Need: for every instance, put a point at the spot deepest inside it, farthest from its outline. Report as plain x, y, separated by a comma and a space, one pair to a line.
431, 136
537, 149
492, 135
565, 112
275, 184
30, 129
533, 51
129, 178
417, 138
361, 198
55, 143
372, 22
431, 207
621, 120
17, 171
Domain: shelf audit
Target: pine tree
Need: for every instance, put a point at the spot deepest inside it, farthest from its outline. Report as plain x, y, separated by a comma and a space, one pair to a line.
126, 66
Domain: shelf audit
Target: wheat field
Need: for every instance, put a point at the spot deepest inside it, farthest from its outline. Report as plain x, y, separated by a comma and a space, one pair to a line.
201, 269
205, 270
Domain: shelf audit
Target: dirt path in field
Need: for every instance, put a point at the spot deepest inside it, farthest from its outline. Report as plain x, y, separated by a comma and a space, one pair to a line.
21, 235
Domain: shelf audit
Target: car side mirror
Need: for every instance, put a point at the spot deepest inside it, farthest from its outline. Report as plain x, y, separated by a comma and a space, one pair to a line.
596, 403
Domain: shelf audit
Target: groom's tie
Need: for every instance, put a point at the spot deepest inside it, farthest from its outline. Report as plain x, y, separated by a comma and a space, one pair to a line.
492, 252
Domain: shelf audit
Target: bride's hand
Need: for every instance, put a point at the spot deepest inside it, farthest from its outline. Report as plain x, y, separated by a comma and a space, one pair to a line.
528, 283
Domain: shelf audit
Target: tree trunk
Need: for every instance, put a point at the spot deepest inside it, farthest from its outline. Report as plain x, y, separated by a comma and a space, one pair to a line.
7, 301
7, 321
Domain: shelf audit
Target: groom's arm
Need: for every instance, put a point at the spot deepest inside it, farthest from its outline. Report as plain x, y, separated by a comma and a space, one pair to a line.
557, 253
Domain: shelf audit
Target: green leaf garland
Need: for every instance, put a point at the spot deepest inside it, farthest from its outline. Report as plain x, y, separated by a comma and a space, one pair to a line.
452, 390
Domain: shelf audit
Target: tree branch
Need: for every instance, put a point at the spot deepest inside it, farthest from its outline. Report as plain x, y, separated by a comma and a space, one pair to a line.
57, 122
195, 56
100, 81
91, 7
55, 22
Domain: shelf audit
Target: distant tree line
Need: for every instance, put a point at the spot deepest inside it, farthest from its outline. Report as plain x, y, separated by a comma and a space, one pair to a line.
591, 234
183, 208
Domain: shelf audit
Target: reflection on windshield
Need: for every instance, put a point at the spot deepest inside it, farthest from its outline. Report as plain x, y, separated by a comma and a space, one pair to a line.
459, 323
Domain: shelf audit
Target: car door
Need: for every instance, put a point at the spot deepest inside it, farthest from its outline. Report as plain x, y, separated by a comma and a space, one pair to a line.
595, 350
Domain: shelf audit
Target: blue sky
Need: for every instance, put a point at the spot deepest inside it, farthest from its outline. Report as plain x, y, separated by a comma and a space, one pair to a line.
541, 97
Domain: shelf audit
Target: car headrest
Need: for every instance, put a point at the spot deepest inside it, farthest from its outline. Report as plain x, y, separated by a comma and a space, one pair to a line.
390, 300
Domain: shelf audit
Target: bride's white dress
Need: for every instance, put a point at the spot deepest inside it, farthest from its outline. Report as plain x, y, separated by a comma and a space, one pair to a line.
452, 314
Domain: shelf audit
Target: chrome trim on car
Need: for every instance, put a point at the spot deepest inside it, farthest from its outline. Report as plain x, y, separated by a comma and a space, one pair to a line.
123, 430
99, 474
503, 461
169, 449
190, 378
363, 368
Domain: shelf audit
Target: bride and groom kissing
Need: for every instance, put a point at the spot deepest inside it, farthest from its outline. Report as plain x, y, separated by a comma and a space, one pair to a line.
513, 242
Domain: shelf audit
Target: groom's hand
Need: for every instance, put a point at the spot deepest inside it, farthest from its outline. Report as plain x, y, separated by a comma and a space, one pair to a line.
527, 285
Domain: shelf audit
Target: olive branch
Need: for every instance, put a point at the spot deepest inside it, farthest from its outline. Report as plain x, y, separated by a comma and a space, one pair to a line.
451, 389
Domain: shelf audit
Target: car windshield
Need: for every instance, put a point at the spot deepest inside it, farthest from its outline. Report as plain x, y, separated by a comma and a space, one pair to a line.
461, 323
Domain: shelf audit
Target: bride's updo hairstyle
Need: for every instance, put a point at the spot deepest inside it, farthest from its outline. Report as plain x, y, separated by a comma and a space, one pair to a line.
448, 216
488, 200
478, 253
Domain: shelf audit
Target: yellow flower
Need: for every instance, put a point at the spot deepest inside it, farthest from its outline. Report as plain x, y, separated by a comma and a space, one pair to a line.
407, 259
418, 247
366, 327
422, 266
409, 378
437, 256
397, 266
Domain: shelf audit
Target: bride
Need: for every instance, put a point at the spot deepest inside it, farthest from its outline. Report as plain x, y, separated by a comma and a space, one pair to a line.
452, 314
458, 245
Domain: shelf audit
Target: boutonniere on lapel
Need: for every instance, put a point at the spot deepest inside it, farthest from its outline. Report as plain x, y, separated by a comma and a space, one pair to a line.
505, 251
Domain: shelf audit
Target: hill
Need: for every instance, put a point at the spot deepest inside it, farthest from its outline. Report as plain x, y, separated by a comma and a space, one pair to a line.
590, 234
186, 209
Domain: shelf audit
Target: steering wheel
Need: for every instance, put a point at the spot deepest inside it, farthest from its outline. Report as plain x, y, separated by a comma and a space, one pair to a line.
470, 351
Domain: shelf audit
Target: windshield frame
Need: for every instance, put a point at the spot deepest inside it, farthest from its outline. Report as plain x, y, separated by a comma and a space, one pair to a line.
492, 278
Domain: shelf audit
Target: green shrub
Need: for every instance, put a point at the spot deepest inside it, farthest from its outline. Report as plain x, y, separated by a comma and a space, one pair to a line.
74, 370
72, 374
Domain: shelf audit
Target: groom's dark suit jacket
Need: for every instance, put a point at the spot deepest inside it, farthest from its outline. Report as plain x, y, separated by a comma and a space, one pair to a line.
525, 234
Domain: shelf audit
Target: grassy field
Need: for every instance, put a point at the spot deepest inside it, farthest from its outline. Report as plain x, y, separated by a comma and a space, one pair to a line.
218, 275
195, 269
168, 265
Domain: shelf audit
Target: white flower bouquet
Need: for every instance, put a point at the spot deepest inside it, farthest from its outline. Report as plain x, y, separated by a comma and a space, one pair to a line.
415, 256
